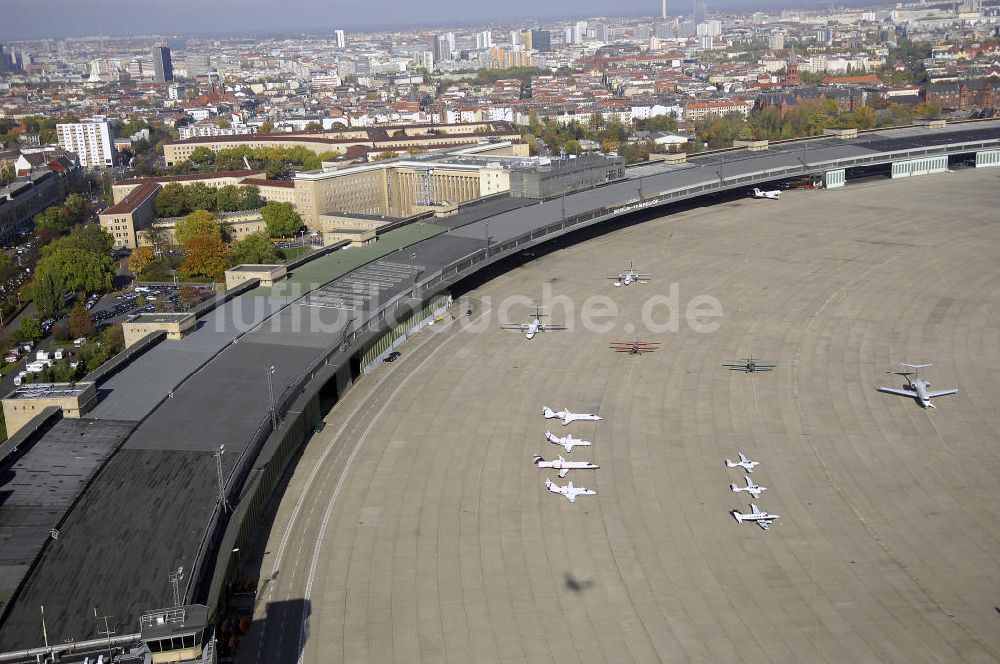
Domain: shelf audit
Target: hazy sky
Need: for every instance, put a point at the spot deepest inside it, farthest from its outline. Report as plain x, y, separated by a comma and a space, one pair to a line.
32, 19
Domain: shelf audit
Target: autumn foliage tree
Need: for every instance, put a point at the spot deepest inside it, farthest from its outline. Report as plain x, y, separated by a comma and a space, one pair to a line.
80, 324
140, 259
198, 224
205, 256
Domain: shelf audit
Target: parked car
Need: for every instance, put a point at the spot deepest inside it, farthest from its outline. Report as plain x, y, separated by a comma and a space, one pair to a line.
393, 356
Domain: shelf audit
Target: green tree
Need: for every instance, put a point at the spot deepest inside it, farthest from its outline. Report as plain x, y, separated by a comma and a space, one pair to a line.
77, 208
187, 297
314, 126
29, 329
266, 128
69, 270
172, 201
199, 223
157, 237
205, 256
228, 198
281, 218
250, 198
80, 324
202, 155
255, 248
52, 220
90, 238
200, 196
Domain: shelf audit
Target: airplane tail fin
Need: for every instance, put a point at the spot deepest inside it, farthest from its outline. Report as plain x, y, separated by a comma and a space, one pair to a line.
537, 459
737, 516
734, 488
730, 464
917, 366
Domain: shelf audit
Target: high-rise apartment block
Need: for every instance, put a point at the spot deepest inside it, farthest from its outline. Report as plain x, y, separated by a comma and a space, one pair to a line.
340, 38
541, 40
162, 66
90, 139
700, 11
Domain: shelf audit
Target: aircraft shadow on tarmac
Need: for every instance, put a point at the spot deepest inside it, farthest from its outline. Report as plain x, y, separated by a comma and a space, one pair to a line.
577, 586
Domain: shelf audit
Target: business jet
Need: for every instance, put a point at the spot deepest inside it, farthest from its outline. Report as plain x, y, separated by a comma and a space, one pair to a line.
774, 194
567, 441
534, 327
916, 387
744, 463
564, 466
565, 416
570, 491
750, 488
763, 519
629, 276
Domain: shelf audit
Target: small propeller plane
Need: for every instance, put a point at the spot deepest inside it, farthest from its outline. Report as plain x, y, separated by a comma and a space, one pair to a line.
750, 365
634, 347
916, 387
564, 466
744, 463
565, 416
773, 195
750, 488
629, 276
567, 441
534, 327
570, 491
763, 519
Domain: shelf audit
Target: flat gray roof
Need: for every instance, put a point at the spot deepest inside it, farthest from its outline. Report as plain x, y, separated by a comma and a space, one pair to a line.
247, 267
161, 318
48, 390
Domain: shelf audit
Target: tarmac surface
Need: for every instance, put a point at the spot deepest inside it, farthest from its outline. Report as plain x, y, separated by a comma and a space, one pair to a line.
416, 528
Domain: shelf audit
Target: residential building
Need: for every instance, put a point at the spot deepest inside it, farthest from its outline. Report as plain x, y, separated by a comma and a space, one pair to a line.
340, 38
91, 140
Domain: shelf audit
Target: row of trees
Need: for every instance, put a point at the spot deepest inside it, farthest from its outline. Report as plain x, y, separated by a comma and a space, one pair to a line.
177, 200
808, 118
275, 161
612, 135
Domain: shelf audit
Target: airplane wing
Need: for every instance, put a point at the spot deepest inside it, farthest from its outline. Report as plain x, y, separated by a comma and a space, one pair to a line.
514, 326
900, 392
764, 525
942, 393
546, 326
754, 509
563, 472
571, 497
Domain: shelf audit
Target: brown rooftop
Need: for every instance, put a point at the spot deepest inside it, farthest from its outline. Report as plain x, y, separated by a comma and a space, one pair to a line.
134, 199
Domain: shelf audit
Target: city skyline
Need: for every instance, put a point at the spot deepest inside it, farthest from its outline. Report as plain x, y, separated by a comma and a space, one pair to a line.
51, 19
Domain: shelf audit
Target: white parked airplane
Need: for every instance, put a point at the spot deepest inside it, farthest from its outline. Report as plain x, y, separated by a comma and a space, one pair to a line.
774, 194
629, 276
534, 327
750, 488
565, 416
570, 491
916, 388
744, 463
763, 519
567, 441
564, 466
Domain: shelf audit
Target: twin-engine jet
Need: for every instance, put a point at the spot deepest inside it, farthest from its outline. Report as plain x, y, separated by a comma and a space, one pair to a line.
774, 194
763, 519
570, 491
629, 276
750, 488
567, 441
534, 327
916, 387
744, 463
564, 466
565, 416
